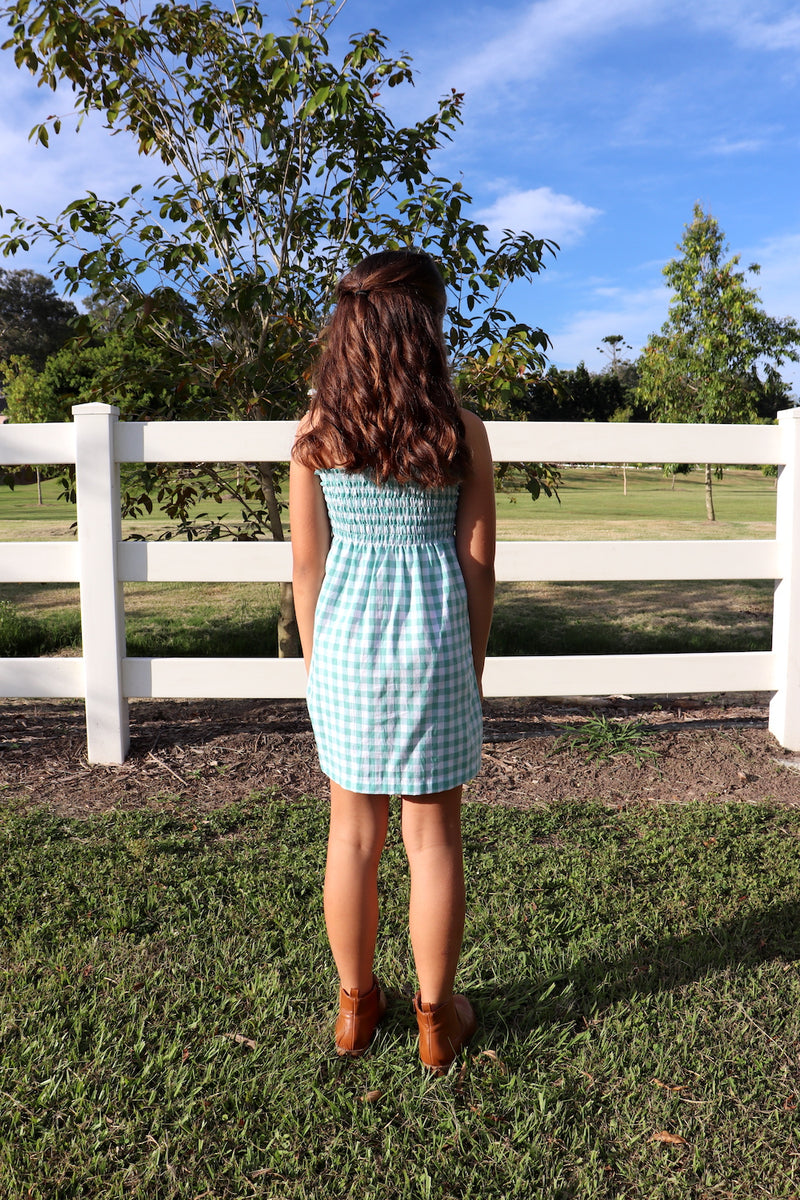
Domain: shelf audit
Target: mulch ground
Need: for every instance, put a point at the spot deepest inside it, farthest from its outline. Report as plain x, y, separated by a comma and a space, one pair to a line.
209, 753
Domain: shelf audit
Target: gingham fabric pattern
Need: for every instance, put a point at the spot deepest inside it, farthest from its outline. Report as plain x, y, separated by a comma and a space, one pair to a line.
392, 692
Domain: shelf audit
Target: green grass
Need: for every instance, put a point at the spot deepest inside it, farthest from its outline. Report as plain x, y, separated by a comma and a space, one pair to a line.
593, 507
634, 973
600, 738
551, 618
22, 635
632, 618
162, 619
240, 620
20, 503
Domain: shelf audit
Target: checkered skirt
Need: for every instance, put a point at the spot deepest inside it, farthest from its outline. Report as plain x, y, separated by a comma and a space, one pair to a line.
392, 692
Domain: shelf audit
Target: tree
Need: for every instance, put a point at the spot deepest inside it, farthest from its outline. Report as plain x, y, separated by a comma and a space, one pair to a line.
706, 365
583, 395
624, 372
281, 169
34, 320
613, 345
116, 369
574, 395
122, 370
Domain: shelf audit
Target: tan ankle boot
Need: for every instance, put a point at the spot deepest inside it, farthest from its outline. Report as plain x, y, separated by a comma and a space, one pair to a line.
358, 1018
443, 1030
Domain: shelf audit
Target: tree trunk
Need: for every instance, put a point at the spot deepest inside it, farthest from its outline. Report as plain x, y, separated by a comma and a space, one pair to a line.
288, 635
39, 499
709, 495
624, 479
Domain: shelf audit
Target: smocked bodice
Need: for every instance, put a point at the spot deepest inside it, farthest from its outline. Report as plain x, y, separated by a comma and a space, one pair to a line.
387, 514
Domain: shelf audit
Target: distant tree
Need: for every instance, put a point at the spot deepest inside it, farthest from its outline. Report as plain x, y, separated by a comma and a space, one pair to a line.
623, 370
104, 311
123, 370
573, 395
627, 373
282, 168
716, 357
614, 344
34, 320
116, 369
26, 399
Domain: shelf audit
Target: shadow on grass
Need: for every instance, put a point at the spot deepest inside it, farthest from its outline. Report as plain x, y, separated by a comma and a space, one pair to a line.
566, 626
596, 983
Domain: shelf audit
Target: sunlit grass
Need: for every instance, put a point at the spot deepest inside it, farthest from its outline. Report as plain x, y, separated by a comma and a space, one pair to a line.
593, 507
167, 1002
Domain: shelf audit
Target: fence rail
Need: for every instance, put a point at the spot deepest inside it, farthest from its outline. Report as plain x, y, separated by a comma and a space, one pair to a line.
100, 561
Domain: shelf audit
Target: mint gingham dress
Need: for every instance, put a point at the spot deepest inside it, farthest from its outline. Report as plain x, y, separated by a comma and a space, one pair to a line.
392, 692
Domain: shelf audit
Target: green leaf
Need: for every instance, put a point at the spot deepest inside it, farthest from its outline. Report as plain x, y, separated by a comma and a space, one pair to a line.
319, 97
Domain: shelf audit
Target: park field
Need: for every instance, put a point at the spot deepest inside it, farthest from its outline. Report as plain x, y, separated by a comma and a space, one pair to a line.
591, 505
544, 618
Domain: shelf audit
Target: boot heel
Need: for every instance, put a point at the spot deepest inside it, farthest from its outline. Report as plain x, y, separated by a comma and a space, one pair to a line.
444, 1029
358, 1019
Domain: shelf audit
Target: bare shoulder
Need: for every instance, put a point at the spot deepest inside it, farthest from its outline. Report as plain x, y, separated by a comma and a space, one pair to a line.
472, 422
303, 425
475, 432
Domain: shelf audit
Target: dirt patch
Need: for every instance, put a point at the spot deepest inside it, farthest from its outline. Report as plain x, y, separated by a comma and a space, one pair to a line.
207, 753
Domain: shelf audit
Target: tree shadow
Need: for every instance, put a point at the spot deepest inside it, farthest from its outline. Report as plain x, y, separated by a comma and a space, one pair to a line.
598, 982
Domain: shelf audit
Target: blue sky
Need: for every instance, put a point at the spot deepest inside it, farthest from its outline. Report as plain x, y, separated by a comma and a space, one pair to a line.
596, 124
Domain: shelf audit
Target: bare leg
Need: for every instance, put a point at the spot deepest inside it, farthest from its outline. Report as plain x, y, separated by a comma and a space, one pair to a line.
357, 833
432, 838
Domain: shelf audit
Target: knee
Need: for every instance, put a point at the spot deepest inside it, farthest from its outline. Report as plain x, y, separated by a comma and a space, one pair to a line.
426, 832
358, 824
364, 845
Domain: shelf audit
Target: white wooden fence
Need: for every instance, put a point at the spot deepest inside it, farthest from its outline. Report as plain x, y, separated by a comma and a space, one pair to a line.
101, 561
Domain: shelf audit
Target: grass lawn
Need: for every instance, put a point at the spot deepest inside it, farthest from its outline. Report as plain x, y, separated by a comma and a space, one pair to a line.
593, 507
550, 618
167, 1007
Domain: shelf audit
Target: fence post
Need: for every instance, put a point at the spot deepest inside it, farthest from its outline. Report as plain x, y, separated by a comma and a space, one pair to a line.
102, 605
784, 709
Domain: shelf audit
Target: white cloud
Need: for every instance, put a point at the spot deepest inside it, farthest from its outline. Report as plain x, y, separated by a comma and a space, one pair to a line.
772, 28
638, 313
43, 180
534, 40
525, 43
743, 146
635, 314
779, 285
539, 211
779, 280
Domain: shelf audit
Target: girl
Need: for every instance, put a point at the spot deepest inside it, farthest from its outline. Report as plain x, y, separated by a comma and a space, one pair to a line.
393, 528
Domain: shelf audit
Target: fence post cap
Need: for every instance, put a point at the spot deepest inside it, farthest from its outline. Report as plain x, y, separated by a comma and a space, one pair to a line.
789, 414
80, 410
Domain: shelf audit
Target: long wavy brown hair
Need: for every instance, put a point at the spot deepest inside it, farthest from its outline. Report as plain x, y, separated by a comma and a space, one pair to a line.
383, 400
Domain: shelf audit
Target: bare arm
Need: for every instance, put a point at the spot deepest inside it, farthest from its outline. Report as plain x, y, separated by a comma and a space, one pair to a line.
475, 538
311, 540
